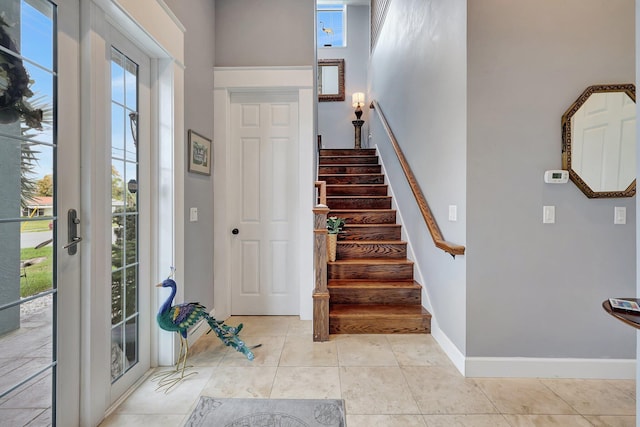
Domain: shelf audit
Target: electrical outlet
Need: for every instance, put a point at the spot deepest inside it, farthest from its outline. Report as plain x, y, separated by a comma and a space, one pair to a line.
193, 215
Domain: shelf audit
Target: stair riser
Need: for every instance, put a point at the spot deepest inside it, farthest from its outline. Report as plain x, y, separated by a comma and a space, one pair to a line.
348, 250
370, 271
349, 169
347, 152
372, 232
379, 326
349, 160
346, 295
367, 217
352, 179
380, 202
356, 190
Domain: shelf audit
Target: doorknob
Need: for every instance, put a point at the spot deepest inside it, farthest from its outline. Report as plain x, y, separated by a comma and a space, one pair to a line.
72, 232
235, 231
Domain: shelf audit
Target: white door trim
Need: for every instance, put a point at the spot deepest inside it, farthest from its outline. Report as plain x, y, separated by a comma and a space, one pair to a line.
228, 80
150, 31
69, 287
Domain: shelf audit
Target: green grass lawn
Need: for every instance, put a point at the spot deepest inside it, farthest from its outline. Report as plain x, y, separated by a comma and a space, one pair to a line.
29, 226
39, 277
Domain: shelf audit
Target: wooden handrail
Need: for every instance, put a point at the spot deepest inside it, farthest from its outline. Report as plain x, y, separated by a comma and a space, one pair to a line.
432, 225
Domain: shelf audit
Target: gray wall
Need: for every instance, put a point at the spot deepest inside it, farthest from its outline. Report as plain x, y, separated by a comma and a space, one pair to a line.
264, 33
418, 75
246, 33
198, 17
334, 118
534, 289
478, 117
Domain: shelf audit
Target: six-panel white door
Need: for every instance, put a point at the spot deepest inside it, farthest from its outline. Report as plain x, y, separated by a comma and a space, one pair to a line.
263, 153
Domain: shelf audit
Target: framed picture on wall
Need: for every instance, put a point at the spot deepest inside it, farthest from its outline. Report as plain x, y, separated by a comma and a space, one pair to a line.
199, 154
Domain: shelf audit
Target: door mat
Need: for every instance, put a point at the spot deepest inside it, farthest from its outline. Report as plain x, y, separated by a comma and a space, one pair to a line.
214, 412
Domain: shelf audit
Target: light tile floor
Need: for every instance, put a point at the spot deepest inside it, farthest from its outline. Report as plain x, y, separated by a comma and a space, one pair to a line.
385, 380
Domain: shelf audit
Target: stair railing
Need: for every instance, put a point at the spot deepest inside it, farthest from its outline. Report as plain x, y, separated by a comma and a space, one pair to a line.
320, 292
429, 219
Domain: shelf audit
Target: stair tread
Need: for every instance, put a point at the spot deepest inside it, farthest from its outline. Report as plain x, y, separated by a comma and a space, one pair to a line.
324, 151
372, 242
373, 284
325, 155
357, 185
371, 261
348, 211
372, 225
377, 310
344, 165
344, 175
359, 197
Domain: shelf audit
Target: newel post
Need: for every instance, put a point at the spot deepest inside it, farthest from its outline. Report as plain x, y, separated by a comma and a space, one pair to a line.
320, 293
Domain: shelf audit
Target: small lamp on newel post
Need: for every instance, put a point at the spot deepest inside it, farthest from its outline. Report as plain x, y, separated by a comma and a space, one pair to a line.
358, 102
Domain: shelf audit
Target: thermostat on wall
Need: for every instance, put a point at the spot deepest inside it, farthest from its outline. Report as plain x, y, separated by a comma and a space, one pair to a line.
556, 176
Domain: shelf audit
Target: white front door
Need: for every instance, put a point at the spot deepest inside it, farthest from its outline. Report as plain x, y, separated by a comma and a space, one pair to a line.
128, 224
264, 203
39, 185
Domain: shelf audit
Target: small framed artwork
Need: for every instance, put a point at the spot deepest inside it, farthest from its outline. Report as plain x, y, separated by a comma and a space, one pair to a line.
199, 153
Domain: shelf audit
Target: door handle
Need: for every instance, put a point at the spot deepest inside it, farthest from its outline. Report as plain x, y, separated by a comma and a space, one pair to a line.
74, 242
72, 232
235, 231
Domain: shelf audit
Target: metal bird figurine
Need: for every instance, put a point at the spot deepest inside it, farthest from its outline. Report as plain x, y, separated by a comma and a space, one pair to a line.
179, 318
328, 31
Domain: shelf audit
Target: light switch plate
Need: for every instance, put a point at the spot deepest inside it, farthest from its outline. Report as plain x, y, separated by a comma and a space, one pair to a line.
619, 215
193, 214
548, 214
453, 213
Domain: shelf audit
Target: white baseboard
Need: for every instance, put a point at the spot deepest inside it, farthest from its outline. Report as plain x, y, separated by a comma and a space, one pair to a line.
534, 367
448, 346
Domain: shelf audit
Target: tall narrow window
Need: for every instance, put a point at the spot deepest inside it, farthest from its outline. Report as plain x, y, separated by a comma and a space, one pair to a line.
331, 25
28, 288
124, 214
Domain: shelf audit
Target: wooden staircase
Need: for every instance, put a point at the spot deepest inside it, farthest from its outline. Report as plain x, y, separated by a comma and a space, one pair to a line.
371, 284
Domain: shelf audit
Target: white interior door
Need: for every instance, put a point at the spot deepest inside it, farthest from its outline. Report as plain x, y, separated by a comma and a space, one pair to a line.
263, 211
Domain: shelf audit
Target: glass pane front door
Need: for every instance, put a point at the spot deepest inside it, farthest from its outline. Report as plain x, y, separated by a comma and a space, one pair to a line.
28, 217
124, 214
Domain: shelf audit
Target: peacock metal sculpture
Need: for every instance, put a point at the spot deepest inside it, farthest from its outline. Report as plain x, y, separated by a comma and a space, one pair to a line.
179, 318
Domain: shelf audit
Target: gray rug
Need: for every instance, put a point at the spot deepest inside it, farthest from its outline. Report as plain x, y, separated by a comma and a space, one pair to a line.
213, 412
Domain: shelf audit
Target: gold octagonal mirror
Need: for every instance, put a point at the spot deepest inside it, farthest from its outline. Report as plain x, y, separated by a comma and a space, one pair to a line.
599, 141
